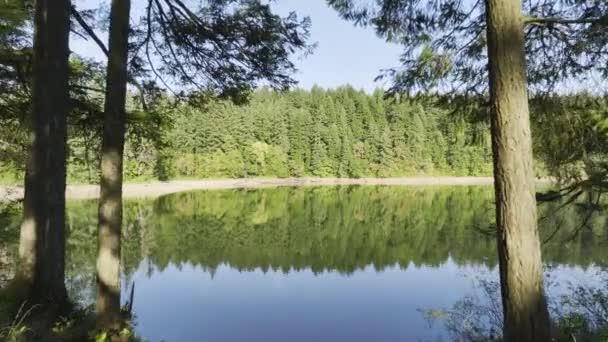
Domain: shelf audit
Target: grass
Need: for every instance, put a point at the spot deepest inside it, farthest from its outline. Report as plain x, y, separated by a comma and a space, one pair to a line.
20, 321
17, 329
11, 299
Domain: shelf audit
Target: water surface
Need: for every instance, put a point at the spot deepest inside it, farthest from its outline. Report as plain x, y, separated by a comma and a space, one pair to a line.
324, 264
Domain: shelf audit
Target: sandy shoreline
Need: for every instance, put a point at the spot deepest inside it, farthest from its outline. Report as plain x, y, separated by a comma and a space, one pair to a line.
156, 189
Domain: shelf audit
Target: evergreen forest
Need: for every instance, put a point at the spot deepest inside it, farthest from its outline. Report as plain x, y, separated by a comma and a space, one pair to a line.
340, 132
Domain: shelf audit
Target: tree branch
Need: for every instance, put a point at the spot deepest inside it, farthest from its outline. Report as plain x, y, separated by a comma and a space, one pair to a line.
563, 21
97, 90
89, 30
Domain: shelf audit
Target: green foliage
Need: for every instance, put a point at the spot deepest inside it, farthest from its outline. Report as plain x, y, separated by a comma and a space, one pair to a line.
571, 136
581, 315
444, 42
16, 331
325, 133
77, 324
328, 133
220, 47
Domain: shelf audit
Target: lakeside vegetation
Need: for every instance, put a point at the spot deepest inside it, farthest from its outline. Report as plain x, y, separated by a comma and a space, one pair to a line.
340, 132
325, 133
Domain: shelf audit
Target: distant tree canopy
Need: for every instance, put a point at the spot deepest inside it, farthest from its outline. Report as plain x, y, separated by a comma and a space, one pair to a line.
341, 132
15, 60
569, 131
567, 144
571, 135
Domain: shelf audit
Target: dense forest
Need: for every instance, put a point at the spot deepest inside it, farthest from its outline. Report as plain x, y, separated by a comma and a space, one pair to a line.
338, 133
329, 133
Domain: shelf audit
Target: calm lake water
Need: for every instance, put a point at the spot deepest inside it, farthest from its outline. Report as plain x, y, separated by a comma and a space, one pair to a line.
322, 264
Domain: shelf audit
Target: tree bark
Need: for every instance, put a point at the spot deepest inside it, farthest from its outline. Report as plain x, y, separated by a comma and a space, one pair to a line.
27, 237
110, 202
42, 245
526, 317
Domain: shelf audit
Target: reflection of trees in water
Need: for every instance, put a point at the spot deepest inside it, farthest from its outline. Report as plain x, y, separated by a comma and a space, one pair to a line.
324, 228
341, 229
82, 245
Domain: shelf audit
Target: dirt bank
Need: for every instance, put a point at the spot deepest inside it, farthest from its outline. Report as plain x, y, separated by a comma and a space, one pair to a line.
162, 188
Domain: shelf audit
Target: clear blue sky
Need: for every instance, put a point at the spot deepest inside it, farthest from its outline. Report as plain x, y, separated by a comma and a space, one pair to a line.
345, 54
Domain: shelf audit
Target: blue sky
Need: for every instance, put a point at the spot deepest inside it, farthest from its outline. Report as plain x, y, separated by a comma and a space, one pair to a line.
345, 54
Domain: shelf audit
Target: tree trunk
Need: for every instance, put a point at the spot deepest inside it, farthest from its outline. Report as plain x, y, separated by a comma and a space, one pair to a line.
27, 238
110, 202
521, 270
42, 246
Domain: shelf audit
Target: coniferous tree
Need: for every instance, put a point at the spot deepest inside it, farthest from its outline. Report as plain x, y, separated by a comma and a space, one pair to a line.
44, 206
112, 150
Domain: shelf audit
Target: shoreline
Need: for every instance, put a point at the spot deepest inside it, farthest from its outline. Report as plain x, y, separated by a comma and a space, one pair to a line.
156, 189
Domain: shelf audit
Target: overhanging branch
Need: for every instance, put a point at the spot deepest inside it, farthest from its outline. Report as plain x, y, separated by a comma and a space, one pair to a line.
564, 21
89, 30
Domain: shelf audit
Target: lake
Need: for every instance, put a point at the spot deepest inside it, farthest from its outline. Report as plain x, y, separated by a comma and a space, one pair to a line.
359, 263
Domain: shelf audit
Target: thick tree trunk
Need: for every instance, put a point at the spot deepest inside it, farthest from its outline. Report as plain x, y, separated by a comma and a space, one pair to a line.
27, 238
521, 271
110, 202
42, 246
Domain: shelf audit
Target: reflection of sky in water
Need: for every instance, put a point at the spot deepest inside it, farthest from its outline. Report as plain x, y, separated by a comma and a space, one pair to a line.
189, 304
175, 243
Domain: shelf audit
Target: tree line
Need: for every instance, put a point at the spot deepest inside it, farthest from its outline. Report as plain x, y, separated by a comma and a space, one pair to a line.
340, 132
325, 133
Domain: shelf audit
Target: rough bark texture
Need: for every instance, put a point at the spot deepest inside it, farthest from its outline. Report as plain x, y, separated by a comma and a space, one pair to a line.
27, 238
110, 202
521, 272
42, 247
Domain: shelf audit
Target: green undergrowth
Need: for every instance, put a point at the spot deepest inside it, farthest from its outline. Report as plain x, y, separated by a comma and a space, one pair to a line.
24, 321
